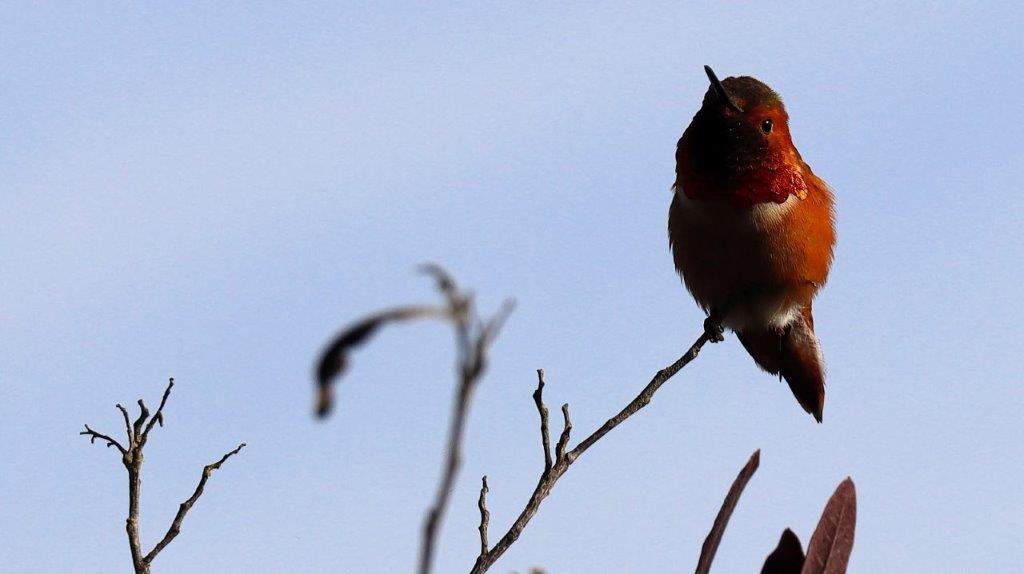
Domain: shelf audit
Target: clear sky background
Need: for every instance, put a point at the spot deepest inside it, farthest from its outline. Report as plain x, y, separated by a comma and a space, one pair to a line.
209, 192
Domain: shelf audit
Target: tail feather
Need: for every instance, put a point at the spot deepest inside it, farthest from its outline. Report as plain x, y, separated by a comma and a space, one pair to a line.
794, 355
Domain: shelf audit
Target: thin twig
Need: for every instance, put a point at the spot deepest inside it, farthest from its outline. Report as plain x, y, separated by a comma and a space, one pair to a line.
143, 415
542, 409
643, 399
335, 358
485, 515
159, 416
132, 457
127, 423
473, 338
93, 435
563, 441
187, 505
563, 462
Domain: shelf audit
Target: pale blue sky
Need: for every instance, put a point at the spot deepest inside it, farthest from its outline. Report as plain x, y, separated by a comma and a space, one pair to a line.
210, 192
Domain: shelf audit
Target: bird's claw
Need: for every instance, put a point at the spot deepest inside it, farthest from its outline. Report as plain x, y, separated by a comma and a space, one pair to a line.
713, 330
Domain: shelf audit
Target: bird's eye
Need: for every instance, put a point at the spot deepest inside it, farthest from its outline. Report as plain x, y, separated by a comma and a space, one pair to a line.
766, 126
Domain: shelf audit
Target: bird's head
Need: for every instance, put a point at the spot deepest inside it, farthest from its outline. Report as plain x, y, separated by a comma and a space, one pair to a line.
741, 135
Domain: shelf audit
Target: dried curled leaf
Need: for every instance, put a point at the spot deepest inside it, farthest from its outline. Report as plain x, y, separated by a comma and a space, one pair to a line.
828, 552
334, 359
788, 556
707, 552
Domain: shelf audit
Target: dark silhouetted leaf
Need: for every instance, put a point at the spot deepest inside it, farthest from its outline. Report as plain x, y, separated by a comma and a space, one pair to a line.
788, 556
707, 552
828, 552
334, 359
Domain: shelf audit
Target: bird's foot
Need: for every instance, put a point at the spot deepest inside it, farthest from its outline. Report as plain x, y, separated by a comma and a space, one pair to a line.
713, 330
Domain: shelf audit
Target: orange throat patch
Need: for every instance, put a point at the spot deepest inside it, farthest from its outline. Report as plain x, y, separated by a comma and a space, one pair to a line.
764, 185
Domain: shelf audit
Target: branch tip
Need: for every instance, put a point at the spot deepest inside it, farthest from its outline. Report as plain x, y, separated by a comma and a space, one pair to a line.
563, 440
485, 515
542, 409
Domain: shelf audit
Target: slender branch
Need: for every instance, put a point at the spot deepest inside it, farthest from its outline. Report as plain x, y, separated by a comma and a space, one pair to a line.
485, 515
562, 462
563, 441
187, 505
453, 461
542, 409
473, 338
93, 435
132, 458
143, 415
133, 462
159, 416
643, 399
335, 358
127, 423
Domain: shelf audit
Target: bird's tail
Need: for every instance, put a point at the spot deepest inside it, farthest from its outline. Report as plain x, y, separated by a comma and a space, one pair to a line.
794, 355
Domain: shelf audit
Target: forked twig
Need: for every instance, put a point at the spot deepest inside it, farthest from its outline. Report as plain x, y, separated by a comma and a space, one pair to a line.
473, 337
564, 458
131, 458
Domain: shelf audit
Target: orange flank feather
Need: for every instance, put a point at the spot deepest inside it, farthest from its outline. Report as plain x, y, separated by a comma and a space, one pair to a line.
752, 231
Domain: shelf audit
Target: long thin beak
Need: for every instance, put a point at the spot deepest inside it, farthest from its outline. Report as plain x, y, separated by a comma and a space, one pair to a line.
720, 90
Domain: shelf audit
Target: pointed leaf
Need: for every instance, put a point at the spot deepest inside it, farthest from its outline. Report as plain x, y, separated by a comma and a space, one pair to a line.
828, 552
707, 552
788, 556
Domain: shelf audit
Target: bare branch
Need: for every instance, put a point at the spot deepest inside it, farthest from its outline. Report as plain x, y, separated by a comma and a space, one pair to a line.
187, 505
132, 457
643, 399
127, 423
563, 461
485, 515
445, 282
93, 435
563, 441
486, 335
143, 415
473, 338
714, 538
542, 409
334, 359
159, 416
489, 332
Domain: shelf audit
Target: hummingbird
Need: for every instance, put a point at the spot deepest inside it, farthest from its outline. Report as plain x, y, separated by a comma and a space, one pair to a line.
752, 231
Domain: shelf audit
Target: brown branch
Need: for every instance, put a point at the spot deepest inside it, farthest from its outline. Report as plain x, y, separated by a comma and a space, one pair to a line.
159, 416
183, 509
93, 435
714, 538
127, 423
334, 359
485, 515
473, 337
143, 415
563, 441
562, 463
131, 458
542, 409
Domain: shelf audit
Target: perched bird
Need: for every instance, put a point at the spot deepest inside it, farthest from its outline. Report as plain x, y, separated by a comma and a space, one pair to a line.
752, 231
